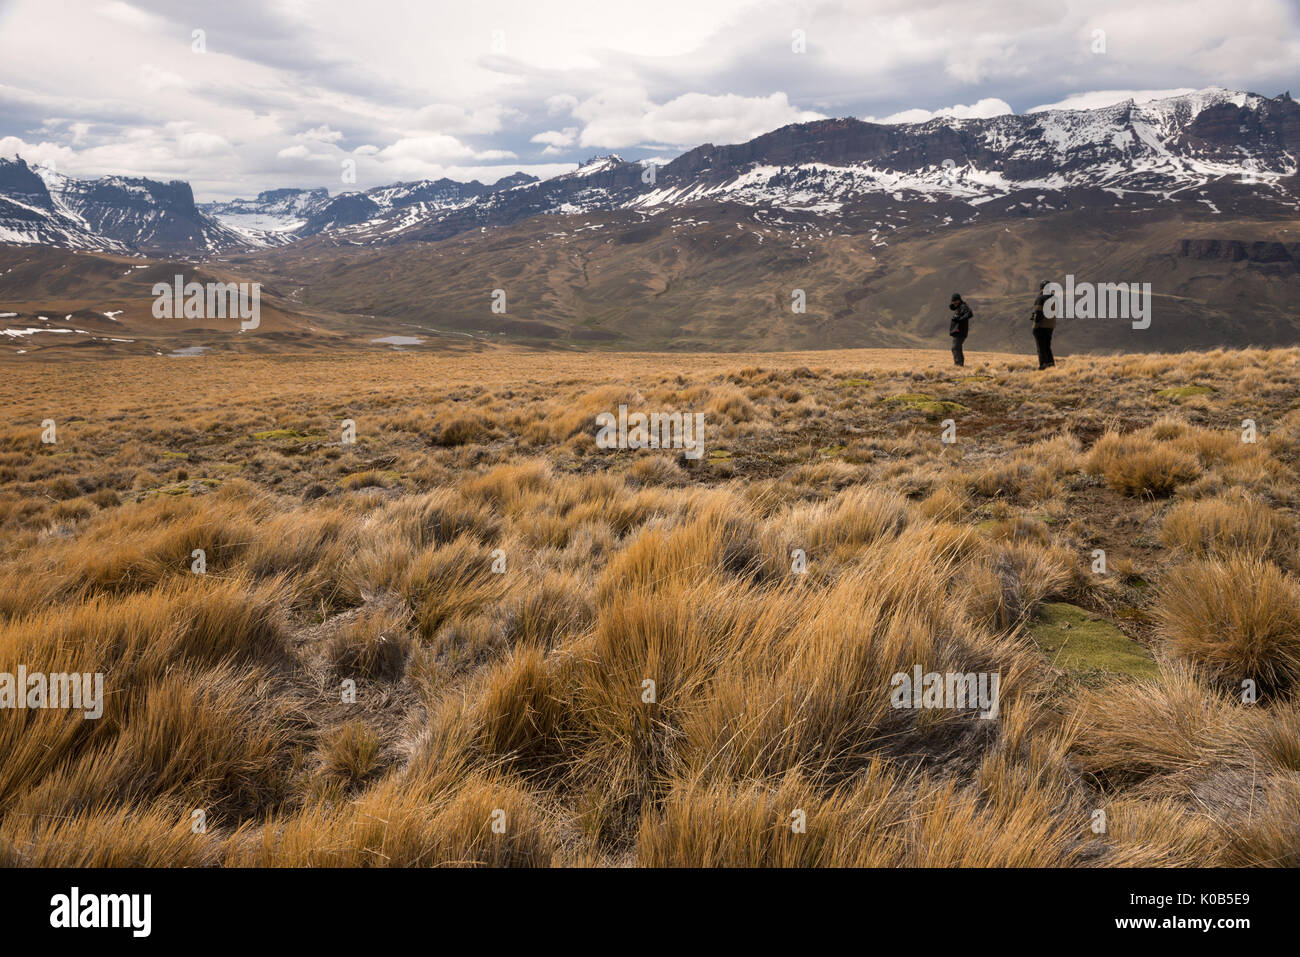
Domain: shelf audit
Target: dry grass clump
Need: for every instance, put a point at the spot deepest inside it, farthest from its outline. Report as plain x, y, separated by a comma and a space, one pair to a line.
1034, 474
1130, 731
463, 429
350, 754
1237, 618
485, 821
945, 503
1137, 465
1224, 524
1006, 586
453, 579
657, 470
108, 835
373, 645
879, 819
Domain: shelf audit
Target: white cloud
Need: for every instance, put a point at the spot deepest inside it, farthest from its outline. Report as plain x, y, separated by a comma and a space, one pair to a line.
556, 138
125, 13
322, 134
37, 154
155, 79
626, 117
1101, 98
198, 143
430, 95
449, 118
438, 148
560, 104
983, 109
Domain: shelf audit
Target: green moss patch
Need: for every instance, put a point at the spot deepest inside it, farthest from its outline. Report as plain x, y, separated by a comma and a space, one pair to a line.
926, 403
272, 435
1185, 391
185, 487
1077, 640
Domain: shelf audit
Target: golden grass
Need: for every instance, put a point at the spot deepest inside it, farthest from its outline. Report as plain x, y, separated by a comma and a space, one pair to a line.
473, 638
1238, 618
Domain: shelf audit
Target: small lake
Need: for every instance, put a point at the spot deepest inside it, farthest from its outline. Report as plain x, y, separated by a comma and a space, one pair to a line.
399, 341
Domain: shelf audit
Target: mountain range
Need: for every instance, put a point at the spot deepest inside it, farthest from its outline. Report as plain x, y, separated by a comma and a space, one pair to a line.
1196, 193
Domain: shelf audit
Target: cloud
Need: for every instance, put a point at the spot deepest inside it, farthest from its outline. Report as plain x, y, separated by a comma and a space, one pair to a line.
127, 14
626, 117
322, 134
560, 104
456, 119
556, 138
287, 90
293, 152
1102, 98
980, 110
438, 148
198, 143
557, 142
155, 79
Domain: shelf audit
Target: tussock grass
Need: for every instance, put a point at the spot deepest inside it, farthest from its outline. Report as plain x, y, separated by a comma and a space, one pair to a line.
473, 638
1138, 465
1237, 618
1225, 524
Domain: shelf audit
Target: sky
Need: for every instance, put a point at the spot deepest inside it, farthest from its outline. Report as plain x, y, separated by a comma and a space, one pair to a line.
238, 97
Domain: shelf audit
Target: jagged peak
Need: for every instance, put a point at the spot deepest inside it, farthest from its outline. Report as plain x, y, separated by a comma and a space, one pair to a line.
598, 163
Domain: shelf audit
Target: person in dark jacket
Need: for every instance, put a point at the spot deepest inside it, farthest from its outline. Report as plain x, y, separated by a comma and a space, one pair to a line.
959, 328
1043, 326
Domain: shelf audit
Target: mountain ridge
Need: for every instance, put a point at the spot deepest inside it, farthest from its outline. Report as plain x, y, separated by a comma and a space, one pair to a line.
1195, 147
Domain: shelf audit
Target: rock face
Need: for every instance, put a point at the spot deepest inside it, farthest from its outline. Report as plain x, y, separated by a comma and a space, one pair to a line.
346, 210
1235, 250
145, 215
114, 213
19, 184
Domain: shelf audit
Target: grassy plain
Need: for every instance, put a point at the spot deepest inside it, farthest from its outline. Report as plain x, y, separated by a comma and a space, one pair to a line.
499, 590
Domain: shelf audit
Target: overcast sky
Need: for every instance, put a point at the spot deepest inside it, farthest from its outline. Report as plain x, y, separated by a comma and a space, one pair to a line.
286, 90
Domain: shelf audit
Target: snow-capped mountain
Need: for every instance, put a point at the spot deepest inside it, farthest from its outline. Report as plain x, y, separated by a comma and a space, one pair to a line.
273, 212
1157, 148
282, 215
1200, 147
113, 214
1208, 148
30, 215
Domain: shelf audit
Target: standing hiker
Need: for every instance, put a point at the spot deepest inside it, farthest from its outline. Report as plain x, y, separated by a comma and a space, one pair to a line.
959, 328
1043, 326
